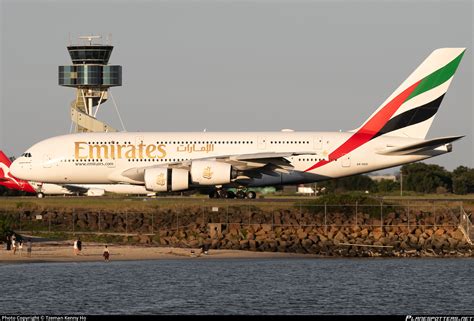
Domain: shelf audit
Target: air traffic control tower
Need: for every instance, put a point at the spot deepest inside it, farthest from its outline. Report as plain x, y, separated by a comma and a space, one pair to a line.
92, 78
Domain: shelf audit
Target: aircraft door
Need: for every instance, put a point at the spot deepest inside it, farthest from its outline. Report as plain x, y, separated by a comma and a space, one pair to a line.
262, 143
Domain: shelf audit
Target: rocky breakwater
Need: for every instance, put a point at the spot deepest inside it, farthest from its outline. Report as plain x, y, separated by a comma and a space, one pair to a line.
372, 238
260, 229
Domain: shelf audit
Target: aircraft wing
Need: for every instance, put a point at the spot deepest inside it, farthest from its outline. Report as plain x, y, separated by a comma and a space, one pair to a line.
259, 160
255, 164
418, 147
75, 188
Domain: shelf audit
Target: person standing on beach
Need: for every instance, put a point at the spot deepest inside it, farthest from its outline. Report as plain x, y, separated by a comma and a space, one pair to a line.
14, 244
75, 247
9, 243
20, 247
79, 245
28, 248
106, 254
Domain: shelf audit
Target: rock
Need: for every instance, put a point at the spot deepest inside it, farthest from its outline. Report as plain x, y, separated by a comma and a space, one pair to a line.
457, 234
421, 241
272, 245
404, 246
252, 245
384, 241
244, 244
340, 238
377, 233
354, 235
364, 232
331, 234
301, 234
215, 244
193, 243
144, 239
315, 249
313, 238
306, 243
412, 239
322, 238
438, 242
453, 243
439, 232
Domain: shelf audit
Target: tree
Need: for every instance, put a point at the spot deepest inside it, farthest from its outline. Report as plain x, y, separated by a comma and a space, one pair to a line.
425, 178
351, 183
386, 186
463, 180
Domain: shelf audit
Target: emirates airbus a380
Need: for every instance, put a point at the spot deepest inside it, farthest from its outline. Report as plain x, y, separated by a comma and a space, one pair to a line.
393, 135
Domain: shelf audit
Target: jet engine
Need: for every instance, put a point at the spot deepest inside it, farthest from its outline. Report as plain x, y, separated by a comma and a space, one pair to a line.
166, 179
211, 173
95, 192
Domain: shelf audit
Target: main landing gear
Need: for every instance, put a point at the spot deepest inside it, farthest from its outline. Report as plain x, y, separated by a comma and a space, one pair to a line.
240, 193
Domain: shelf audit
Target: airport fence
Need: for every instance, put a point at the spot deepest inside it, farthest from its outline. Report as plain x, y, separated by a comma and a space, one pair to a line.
181, 217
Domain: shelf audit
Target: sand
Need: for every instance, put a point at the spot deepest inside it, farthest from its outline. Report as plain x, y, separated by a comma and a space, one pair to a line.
63, 252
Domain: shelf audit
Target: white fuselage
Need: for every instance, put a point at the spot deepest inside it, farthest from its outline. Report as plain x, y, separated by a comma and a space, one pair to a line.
102, 158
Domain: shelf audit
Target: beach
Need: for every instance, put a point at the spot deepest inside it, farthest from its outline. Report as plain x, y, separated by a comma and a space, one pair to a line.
53, 251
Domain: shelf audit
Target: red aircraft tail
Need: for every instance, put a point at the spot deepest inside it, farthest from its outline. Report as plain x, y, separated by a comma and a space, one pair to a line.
8, 180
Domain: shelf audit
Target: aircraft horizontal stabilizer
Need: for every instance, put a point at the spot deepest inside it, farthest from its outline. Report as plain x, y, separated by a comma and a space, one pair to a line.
419, 146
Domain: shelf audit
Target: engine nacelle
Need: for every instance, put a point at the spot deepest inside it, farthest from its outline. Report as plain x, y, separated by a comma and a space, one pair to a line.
211, 173
95, 192
166, 179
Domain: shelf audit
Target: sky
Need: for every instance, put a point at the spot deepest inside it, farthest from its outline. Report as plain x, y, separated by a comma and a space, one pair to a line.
234, 65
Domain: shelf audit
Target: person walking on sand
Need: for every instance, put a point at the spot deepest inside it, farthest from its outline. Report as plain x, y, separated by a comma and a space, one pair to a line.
28, 248
75, 247
106, 254
14, 244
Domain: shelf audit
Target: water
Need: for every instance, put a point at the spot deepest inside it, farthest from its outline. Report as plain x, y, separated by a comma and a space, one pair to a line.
240, 286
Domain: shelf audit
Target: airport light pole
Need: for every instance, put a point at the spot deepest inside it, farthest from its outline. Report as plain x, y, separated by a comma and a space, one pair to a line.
401, 183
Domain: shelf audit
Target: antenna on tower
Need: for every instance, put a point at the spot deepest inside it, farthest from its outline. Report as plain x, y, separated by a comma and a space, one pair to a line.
90, 38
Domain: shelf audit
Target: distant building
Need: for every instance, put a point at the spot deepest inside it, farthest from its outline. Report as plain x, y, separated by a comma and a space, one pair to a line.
378, 178
305, 190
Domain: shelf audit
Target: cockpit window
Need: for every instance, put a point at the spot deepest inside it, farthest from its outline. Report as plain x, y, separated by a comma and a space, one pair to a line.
26, 155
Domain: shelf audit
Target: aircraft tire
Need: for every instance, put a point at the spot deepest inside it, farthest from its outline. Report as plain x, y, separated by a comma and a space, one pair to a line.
240, 194
251, 195
222, 193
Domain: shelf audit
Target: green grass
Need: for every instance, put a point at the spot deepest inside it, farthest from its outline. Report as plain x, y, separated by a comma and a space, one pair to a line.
137, 204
